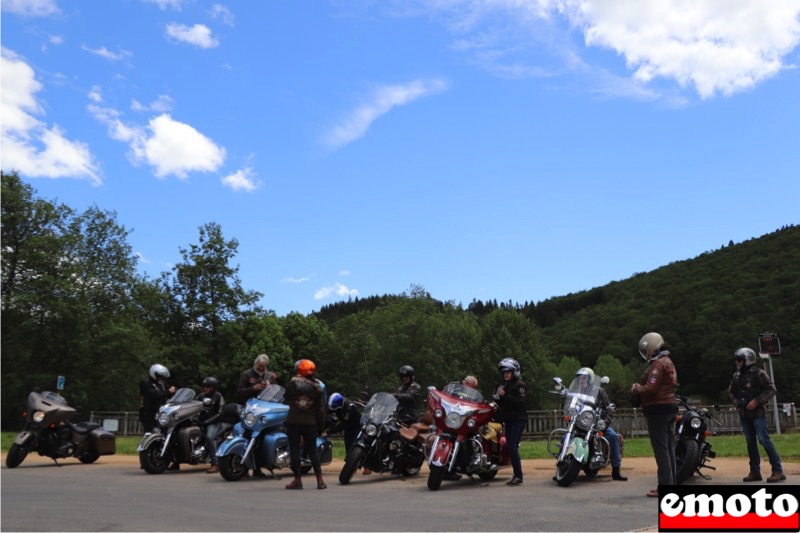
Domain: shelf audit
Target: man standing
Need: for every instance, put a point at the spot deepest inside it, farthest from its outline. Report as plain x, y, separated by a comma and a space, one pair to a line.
750, 390
154, 393
253, 380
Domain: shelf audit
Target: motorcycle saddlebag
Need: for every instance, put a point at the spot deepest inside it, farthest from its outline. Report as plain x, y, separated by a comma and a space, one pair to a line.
103, 442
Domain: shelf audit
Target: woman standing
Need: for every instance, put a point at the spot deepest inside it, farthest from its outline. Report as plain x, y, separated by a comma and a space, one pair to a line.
306, 420
510, 397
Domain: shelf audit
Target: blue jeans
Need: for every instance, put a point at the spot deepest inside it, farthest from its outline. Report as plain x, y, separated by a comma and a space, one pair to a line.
514, 431
613, 446
211, 445
757, 428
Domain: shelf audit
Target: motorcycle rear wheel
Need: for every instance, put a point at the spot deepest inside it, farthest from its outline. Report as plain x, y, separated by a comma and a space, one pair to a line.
567, 471
231, 467
351, 462
89, 457
150, 458
687, 457
16, 454
435, 477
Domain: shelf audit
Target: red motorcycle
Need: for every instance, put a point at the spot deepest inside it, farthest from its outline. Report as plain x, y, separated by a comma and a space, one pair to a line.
466, 441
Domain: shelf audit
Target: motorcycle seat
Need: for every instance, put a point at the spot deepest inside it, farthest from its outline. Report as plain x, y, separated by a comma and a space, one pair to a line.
84, 428
412, 432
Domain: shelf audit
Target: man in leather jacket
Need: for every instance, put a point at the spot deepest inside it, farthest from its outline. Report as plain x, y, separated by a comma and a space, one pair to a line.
408, 396
253, 380
750, 390
209, 417
154, 393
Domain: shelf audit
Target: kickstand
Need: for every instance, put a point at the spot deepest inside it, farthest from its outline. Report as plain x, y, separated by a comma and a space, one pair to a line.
274, 475
57, 463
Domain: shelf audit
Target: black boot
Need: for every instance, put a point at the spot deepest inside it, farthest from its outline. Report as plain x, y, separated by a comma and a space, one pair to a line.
616, 475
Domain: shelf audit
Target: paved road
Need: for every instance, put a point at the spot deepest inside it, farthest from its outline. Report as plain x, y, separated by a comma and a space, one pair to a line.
114, 495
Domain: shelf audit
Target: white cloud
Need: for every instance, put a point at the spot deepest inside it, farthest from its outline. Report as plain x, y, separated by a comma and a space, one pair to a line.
56, 40
141, 258
296, 280
164, 4
338, 289
95, 94
169, 146
242, 180
344, 272
197, 35
358, 121
30, 8
105, 53
29, 145
162, 104
220, 11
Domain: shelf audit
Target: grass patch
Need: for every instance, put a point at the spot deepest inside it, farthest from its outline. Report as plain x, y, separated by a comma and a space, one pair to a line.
788, 446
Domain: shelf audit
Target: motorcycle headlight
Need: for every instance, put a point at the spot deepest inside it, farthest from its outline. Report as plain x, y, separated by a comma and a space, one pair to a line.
696, 423
601, 425
163, 418
249, 419
371, 430
438, 413
585, 419
38, 416
471, 422
453, 420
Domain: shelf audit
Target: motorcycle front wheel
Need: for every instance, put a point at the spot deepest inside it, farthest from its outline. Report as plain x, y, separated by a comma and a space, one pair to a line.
687, 456
231, 467
567, 470
435, 477
351, 462
150, 458
16, 454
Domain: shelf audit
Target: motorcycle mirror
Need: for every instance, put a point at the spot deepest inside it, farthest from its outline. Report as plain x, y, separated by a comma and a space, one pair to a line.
431, 388
557, 381
206, 401
604, 380
716, 407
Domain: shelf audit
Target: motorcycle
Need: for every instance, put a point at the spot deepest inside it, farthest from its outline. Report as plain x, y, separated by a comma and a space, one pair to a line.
692, 449
259, 440
466, 441
384, 444
49, 432
581, 445
179, 437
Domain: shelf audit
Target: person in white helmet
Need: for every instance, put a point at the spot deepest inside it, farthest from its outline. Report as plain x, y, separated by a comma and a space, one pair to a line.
153, 393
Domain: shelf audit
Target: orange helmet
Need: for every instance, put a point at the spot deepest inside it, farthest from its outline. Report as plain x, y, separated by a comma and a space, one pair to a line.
306, 367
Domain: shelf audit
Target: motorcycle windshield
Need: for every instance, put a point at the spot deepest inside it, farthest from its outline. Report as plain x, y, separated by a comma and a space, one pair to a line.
48, 396
272, 393
379, 408
580, 394
182, 396
463, 392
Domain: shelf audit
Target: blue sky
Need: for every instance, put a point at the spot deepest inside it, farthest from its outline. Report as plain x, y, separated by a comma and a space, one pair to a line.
507, 149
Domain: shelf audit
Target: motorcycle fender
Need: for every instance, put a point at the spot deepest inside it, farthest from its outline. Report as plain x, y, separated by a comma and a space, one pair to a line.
578, 448
147, 440
24, 437
440, 452
236, 445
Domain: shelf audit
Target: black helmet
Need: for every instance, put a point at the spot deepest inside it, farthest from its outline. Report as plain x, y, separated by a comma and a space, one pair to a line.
509, 364
406, 370
211, 381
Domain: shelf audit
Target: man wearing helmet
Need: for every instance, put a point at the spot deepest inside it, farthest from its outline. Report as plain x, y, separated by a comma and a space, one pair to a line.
408, 396
305, 420
586, 379
750, 390
510, 397
213, 402
154, 393
346, 418
253, 380
656, 390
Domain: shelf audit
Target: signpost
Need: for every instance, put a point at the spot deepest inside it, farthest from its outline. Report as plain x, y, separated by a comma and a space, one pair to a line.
768, 345
60, 384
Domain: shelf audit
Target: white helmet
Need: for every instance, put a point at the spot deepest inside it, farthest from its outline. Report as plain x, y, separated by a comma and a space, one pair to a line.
747, 355
159, 370
650, 345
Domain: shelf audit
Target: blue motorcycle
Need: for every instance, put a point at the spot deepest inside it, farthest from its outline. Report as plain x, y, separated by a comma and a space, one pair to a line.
260, 441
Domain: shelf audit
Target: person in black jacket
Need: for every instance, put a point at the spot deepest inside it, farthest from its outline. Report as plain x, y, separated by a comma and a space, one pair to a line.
408, 396
154, 393
253, 380
306, 420
209, 417
510, 397
346, 418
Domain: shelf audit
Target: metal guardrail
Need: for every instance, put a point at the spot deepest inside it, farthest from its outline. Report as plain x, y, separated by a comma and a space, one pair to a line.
630, 422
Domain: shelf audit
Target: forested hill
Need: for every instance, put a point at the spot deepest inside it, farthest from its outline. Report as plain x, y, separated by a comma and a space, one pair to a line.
705, 308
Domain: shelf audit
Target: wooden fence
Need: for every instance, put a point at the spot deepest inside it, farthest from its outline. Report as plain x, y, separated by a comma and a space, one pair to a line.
629, 422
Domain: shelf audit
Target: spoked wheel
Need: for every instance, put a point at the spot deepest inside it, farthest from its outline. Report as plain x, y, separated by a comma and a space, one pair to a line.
150, 458
16, 454
687, 456
351, 462
567, 470
89, 457
231, 467
435, 477
411, 470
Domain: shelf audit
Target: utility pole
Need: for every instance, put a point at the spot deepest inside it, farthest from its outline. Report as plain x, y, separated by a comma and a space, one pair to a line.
768, 345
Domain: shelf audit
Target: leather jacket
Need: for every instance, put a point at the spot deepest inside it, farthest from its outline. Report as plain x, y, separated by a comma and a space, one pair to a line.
658, 386
751, 383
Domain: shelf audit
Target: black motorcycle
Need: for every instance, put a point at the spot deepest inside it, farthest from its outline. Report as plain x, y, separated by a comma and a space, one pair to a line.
49, 432
179, 437
384, 445
692, 449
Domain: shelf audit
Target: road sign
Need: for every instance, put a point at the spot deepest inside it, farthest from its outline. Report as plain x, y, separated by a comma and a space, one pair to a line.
60, 384
769, 343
